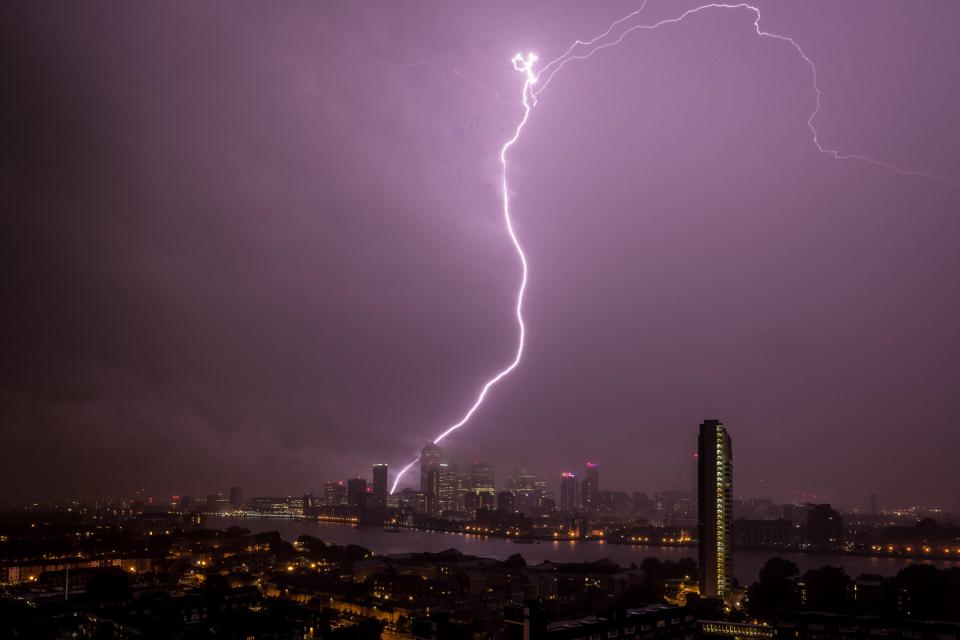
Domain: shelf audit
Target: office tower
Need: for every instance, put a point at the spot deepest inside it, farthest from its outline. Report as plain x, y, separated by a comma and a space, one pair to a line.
874, 505
334, 493
568, 492
589, 487
482, 477
523, 484
715, 509
431, 492
217, 503
471, 502
505, 501
357, 492
431, 455
522, 480
824, 527
236, 497
486, 500
447, 495
380, 488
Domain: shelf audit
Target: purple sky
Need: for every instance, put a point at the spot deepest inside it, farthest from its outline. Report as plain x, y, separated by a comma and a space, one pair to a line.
260, 244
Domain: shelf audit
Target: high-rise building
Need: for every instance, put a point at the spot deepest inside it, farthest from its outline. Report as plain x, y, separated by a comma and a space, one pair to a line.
357, 492
447, 495
431, 492
715, 509
874, 505
441, 489
309, 505
505, 501
589, 487
482, 477
380, 489
334, 493
824, 527
429, 456
523, 484
568, 492
236, 497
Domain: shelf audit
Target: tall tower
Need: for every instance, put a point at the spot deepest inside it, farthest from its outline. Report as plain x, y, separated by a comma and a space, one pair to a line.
590, 487
482, 477
430, 456
380, 485
568, 492
715, 509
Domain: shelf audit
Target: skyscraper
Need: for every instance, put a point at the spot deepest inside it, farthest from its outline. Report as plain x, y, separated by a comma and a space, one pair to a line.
380, 485
357, 492
590, 487
236, 497
441, 488
715, 509
568, 492
334, 493
824, 527
431, 488
447, 487
431, 455
482, 477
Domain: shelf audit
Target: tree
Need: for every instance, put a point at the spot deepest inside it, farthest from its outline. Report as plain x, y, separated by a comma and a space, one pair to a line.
776, 589
828, 589
923, 591
515, 561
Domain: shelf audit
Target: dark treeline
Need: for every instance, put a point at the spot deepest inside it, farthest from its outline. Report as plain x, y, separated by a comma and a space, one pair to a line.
920, 591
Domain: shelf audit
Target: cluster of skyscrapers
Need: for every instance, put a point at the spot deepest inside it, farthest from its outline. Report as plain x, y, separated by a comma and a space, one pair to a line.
446, 487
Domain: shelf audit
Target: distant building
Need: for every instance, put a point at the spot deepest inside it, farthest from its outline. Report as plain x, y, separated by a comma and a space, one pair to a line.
471, 502
217, 503
380, 488
482, 477
447, 493
236, 497
824, 527
334, 493
411, 499
874, 505
715, 509
763, 534
590, 487
487, 499
357, 492
526, 495
568, 492
429, 456
505, 501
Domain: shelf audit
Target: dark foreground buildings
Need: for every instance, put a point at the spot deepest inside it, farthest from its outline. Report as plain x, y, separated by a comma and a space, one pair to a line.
529, 622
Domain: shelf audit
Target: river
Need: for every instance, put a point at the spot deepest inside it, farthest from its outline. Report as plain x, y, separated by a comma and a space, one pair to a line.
746, 563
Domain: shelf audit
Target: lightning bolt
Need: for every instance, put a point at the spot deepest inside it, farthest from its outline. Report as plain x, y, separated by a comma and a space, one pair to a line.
536, 82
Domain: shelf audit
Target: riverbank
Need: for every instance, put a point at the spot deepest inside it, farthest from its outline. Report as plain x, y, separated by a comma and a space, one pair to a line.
746, 563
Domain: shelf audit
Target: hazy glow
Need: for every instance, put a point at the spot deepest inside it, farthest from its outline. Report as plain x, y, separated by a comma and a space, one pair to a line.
534, 87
